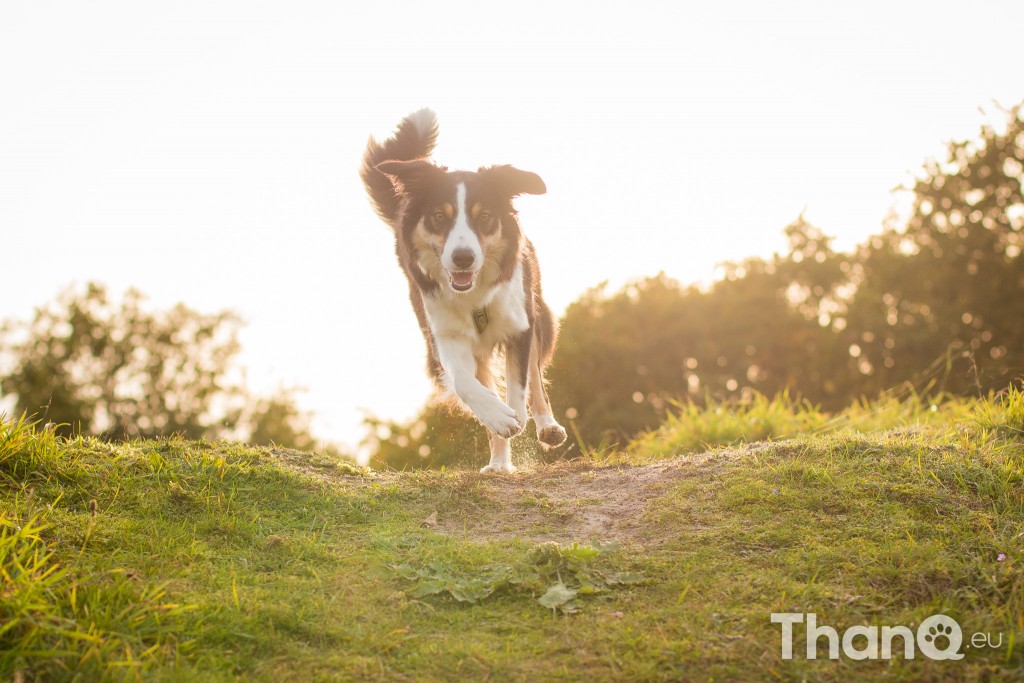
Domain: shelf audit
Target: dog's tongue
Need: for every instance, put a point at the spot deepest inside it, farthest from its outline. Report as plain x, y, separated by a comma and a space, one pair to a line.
462, 278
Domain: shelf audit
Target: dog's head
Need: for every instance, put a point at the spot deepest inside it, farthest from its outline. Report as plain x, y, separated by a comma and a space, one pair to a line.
459, 228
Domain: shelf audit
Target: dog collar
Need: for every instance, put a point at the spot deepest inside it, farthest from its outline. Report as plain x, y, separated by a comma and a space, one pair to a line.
480, 320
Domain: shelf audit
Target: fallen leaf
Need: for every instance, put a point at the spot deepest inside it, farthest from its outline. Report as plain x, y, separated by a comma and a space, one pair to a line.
556, 596
431, 521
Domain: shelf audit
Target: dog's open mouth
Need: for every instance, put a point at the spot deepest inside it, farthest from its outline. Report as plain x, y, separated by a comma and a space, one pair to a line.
462, 280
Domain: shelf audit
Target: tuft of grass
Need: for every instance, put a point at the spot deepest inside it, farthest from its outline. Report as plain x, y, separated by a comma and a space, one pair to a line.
32, 582
57, 618
693, 428
1003, 413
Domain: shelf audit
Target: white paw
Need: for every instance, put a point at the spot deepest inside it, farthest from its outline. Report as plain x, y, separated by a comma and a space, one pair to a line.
499, 418
498, 468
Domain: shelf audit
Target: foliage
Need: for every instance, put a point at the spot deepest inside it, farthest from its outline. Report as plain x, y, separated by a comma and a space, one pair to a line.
949, 284
441, 435
618, 382
116, 370
547, 564
935, 306
277, 420
90, 364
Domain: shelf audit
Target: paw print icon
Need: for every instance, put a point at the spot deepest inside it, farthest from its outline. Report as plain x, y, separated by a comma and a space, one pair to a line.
940, 637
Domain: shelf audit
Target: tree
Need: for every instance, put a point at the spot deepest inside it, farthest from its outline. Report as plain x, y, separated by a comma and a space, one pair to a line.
94, 365
441, 435
116, 370
938, 305
951, 283
277, 420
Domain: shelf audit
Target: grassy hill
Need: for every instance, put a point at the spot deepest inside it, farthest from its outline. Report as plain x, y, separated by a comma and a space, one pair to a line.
175, 560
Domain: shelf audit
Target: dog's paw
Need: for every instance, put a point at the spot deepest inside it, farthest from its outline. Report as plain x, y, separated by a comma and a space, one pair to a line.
551, 435
498, 468
499, 418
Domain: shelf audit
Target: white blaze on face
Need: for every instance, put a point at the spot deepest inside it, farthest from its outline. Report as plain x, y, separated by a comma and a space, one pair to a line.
461, 236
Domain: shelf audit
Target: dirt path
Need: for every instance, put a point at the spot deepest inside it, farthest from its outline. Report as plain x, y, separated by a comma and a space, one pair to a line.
578, 501
570, 501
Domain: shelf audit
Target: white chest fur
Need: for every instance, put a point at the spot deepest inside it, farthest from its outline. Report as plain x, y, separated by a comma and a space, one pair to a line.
451, 315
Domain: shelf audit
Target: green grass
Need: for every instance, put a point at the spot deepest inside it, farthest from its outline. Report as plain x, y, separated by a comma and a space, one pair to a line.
692, 427
175, 560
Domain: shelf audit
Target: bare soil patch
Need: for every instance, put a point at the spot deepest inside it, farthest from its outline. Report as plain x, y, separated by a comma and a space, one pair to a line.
580, 500
576, 501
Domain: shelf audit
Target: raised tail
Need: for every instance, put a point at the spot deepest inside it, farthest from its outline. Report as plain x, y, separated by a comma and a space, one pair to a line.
414, 138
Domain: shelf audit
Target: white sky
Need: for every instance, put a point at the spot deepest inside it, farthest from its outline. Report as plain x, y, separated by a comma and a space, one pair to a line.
207, 152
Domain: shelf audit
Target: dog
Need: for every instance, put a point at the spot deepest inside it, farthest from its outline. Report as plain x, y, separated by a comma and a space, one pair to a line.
474, 281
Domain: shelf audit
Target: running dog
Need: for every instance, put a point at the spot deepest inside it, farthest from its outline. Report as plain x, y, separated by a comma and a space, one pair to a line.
473, 278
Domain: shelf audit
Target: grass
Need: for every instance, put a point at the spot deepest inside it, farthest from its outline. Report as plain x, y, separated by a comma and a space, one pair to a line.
175, 560
695, 427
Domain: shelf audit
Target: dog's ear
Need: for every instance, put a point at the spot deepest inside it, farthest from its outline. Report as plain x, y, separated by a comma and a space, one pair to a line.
513, 182
408, 176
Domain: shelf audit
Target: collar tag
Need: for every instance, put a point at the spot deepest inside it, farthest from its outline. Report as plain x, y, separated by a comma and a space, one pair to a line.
480, 320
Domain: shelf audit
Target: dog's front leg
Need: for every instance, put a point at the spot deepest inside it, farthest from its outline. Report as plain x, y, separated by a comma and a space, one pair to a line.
459, 365
501, 455
501, 452
517, 366
517, 358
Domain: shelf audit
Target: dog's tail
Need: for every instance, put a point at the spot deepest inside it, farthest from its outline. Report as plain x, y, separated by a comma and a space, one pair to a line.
414, 138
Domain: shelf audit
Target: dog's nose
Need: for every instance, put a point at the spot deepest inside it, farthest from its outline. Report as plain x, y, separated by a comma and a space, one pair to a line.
463, 258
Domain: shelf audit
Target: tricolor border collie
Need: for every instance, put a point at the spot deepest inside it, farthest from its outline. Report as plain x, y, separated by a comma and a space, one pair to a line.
473, 279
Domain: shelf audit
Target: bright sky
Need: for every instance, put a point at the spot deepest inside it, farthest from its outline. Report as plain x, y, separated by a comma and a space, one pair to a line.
207, 152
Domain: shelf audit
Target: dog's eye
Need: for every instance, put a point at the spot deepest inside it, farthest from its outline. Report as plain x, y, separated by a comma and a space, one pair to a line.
439, 217
484, 217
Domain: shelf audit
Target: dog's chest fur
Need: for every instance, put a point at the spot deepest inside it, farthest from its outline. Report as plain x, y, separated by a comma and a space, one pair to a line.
453, 316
